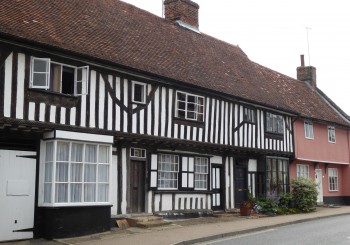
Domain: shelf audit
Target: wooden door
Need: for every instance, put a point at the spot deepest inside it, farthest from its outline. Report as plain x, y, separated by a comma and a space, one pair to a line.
17, 193
217, 187
137, 186
241, 190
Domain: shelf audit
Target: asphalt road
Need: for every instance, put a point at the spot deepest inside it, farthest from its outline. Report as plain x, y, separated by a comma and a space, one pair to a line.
334, 230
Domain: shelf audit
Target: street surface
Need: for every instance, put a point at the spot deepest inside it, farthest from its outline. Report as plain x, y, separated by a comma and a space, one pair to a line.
335, 230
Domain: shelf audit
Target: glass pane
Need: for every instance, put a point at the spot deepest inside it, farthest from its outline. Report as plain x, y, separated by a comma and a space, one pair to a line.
89, 192
62, 151
49, 152
40, 65
61, 193
39, 79
90, 173
191, 98
47, 192
181, 105
138, 92
76, 173
103, 173
77, 153
48, 172
76, 192
104, 154
181, 96
90, 153
102, 193
61, 172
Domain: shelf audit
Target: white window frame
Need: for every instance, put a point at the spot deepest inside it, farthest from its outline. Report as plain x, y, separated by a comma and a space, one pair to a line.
52, 202
83, 81
197, 105
174, 172
309, 129
331, 134
303, 170
333, 180
274, 123
201, 172
137, 152
144, 92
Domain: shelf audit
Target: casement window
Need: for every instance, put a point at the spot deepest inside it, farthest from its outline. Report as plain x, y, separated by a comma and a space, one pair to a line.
333, 179
138, 92
201, 173
331, 134
276, 176
249, 115
274, 123
59, 78
168, 170
303, 170
309, 130
76, 173
189, 106
137, 152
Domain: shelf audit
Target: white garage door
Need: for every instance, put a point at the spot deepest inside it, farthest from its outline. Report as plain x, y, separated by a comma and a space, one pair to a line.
17, 192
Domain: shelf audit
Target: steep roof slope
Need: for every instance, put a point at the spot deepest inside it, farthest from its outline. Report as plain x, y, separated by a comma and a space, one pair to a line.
120, 33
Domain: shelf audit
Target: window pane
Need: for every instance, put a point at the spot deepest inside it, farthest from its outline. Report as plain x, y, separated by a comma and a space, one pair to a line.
103, 154
61, 191
181, 96
39, 79
47, 192
48, 172
102, 193
90, 173
90, 153
76, 172
61, 172
76, 192
62, 151
49, 152
139, 90
40, 65
89, 192
77, 153
103, 173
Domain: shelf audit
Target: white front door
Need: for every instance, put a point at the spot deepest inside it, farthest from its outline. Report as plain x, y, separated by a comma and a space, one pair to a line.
17, 192
318, 180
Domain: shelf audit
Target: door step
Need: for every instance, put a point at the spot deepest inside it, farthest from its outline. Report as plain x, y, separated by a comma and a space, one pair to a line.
147, 221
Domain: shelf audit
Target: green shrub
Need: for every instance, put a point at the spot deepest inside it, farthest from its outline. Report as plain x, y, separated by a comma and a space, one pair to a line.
305, 194
285, 199
267, 205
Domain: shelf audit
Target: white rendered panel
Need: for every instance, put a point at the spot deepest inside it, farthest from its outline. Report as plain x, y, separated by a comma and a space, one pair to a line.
142, 119
101, 104
190, 180
31, 111
184, 180
8, 86
188, 135
42, 112
20, 86
170, 117
125, 129
52, 113
184, 163
110, 105
92, 99
252, 165
134, 123
73, 113
191, 164
156, 112
207, 120
153, 179
63, 115
163, 115
154, 162
117, 108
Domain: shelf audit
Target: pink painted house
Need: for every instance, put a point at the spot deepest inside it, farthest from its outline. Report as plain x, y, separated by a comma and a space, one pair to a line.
322, 145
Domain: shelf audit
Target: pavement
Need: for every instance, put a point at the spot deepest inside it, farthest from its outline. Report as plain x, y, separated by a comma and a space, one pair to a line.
192, 231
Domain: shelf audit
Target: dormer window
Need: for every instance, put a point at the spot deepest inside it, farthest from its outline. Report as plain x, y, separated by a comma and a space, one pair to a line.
249, 115
138, 92
58, 77
274, 123
189, 106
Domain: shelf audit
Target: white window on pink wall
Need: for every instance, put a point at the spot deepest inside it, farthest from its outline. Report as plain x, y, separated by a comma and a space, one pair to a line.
302, 170
331, 134
309, 130
333, 179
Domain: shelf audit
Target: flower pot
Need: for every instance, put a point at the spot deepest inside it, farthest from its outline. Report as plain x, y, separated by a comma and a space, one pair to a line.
244, 211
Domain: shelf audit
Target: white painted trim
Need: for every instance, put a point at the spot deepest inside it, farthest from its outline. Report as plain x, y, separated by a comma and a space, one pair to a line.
20, 86
320, 161
73, 112
117, 108
80, 136
92, 98
42, 112
63, 115
101, 104
52, 113
8, 86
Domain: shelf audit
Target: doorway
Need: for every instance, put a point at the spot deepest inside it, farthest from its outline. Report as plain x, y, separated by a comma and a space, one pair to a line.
17, 194
216, 187
318, 180
241, 189
137, 186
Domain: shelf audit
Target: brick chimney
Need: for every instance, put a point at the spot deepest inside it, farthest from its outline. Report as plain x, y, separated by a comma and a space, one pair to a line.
185, 11
306, 73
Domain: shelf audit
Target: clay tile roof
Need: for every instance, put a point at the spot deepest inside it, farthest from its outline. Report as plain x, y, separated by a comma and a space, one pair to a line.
119, 33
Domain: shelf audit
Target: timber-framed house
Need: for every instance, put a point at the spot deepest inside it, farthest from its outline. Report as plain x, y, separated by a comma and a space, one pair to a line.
108, 110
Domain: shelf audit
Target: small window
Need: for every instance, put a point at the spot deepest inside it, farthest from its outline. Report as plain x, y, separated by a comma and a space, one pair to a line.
168, 169
309, 130
333, 179
201, 173
138, 92
331, 134
249, 115
274, 123
59, 78
137, 152
303, 170
190, 107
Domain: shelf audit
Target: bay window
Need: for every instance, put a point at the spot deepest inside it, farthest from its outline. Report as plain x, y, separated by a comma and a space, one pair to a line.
76, 173
276, 176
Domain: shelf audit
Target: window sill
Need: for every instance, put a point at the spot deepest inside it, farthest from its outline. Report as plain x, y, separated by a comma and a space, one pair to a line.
188, 122
52, 98
274, 135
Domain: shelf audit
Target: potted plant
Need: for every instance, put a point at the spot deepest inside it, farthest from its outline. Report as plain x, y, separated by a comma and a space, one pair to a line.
247, 206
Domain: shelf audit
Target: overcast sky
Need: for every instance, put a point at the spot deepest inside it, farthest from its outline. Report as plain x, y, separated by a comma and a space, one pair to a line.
274, 33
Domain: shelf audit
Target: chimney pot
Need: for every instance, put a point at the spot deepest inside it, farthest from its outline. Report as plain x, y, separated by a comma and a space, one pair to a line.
302, 60
182, 10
